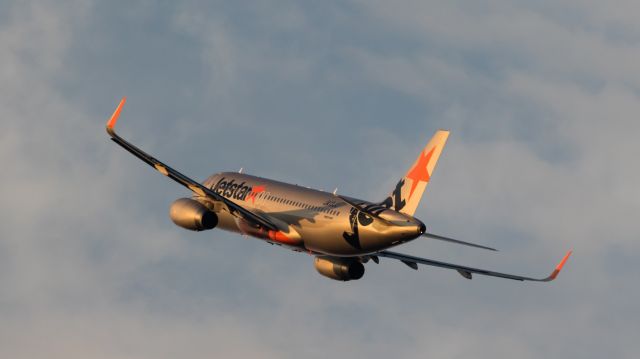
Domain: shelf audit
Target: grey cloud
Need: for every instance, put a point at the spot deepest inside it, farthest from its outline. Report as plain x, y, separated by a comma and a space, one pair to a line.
540, 101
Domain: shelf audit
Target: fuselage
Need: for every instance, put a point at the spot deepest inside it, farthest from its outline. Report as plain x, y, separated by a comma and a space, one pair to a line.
311, 220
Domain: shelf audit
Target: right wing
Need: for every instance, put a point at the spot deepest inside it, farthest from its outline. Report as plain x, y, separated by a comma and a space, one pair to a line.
194, 186
412, 261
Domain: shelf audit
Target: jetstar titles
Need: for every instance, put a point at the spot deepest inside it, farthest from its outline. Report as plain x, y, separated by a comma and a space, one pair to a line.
233, 190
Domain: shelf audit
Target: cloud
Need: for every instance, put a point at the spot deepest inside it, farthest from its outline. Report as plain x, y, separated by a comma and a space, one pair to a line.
540, 98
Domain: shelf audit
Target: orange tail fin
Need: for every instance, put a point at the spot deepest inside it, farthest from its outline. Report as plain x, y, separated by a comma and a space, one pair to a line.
406, 196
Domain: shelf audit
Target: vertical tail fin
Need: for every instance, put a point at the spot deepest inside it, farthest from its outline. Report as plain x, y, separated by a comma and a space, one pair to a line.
408, 192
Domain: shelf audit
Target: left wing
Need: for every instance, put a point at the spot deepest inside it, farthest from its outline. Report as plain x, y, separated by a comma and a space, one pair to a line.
194, 186
466, 272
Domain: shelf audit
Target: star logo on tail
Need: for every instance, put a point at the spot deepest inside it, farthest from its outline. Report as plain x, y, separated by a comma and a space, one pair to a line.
420, 173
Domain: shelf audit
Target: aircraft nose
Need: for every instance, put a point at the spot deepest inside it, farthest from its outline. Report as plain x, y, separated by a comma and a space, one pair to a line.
422, 229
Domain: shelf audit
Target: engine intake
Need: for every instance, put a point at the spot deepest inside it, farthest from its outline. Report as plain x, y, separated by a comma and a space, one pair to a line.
192, 215
343, 269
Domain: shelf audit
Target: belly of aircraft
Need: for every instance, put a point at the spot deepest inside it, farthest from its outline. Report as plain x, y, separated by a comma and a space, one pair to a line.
327, 236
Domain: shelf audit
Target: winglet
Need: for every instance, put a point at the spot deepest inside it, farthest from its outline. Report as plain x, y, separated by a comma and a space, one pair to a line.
114, 118
556, 271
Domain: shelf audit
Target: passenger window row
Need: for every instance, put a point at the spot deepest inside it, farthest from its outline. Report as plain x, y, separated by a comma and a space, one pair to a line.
289, 202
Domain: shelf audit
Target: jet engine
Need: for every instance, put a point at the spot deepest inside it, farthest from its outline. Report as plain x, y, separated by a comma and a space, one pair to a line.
343, 269
192, 215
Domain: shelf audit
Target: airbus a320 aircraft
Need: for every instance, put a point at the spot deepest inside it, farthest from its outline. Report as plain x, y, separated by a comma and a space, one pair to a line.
343, 233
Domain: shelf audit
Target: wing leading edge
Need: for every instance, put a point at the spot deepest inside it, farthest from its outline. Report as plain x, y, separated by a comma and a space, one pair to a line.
194, 186
467, 271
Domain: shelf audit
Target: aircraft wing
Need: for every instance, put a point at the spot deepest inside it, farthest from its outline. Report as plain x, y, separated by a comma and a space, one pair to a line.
466, 272
194, 186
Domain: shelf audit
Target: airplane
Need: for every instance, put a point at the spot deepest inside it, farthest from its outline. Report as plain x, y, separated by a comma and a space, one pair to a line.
342, 233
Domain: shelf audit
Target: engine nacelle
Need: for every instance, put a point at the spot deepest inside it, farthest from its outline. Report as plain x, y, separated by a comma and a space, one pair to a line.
339, 268
192, 215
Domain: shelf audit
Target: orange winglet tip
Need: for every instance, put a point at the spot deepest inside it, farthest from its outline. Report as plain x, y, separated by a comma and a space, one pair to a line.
114, 118
556, 271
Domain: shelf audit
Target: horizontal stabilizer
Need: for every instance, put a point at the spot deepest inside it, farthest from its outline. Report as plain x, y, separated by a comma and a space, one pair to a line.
446, 239
362, 209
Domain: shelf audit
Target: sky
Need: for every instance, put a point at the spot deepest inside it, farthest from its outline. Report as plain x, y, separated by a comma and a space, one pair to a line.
541, 99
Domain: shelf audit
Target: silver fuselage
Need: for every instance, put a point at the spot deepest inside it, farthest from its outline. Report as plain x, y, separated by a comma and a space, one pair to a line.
311, 220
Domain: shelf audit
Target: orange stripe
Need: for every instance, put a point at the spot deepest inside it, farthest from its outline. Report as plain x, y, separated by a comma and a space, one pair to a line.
280, 237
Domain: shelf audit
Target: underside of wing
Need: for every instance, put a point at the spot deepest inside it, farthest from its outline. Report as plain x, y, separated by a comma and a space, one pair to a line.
467, 272
194, 186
